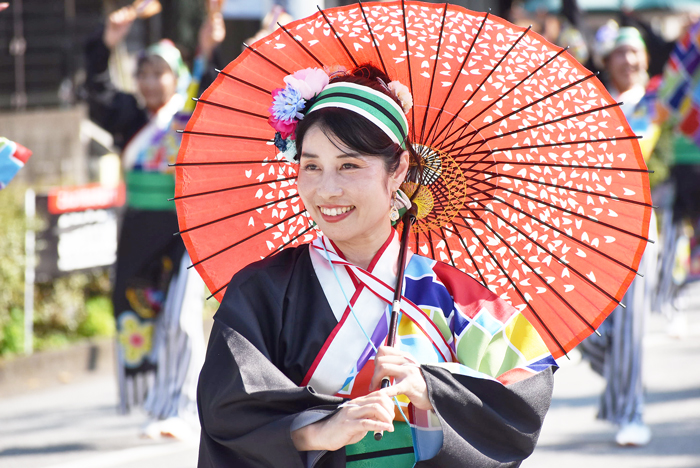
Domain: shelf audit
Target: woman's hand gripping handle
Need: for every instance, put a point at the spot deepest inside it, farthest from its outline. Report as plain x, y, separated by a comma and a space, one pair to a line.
408, 378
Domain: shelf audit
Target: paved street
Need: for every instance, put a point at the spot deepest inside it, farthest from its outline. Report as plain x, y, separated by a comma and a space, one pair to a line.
573, 438
76, 425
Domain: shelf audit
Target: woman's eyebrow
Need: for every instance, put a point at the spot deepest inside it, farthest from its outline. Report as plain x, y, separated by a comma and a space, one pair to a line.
340, 156
349, 155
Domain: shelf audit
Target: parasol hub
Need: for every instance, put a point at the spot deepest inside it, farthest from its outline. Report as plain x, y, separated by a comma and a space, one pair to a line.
441, 193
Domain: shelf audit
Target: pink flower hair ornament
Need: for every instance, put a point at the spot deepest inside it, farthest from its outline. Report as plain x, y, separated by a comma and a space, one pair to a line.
289, 103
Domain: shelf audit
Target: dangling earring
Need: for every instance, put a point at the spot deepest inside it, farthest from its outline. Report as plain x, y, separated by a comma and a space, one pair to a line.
394, 212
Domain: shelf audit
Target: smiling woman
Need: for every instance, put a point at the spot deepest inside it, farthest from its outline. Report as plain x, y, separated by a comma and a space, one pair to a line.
295, 361
348, 193
352, 163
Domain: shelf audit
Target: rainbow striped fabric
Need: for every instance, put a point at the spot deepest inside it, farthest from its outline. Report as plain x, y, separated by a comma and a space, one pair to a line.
489, 337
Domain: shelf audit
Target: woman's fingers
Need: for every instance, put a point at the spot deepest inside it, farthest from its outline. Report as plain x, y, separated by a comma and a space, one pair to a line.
402, 387
377, 398
373, 425
389, 351
398, 369
377, 411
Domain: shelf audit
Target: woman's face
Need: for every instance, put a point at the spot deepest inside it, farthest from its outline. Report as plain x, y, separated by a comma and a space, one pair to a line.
626, 66
348, 194
156, 82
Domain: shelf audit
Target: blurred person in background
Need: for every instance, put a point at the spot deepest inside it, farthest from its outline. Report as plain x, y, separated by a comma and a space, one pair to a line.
679, 104
617, 354
158, 301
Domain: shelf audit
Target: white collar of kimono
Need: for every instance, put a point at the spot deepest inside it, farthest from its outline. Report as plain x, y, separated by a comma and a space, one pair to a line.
370, 292
160, 121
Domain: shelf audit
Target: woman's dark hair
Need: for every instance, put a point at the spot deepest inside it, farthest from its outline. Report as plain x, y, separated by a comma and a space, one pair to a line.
355, 131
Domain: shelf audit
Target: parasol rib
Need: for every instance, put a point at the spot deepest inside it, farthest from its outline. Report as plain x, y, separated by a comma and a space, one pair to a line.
297, 236
432, 77
224, 163
442, 190
210, 192
536, 101
262, 90
234, 215
543, 145
223, 106
454, 83
223, 135
242, 240
303, 47
542, 124
567, 265
544, 281
430, 244
517, 289
301, 233
371, 35
472, 259
573, 213
449, 253
337, 36
574, 166
568, 189
540, 67
476, 90
408, 65
565, 234
276, 65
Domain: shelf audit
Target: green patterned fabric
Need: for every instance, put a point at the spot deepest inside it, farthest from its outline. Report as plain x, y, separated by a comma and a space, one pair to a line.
392, 441
150, 190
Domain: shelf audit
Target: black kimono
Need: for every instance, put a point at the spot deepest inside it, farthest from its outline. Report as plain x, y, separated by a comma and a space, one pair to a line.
273, 321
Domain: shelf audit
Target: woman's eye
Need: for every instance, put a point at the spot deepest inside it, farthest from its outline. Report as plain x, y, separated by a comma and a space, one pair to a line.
310, 167
349, 166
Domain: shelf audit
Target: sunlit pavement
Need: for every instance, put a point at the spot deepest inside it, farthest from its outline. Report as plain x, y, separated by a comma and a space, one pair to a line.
573, 438
76, 425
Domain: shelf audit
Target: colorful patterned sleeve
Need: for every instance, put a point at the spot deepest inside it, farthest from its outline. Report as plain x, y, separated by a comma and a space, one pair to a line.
498, 375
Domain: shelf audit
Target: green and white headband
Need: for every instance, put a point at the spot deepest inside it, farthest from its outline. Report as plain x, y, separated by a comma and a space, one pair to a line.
309, 90
375, 106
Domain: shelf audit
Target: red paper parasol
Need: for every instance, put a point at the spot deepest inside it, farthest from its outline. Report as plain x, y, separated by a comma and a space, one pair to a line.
535, 184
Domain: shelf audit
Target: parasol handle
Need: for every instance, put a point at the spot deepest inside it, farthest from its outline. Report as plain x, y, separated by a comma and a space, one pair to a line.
408, 219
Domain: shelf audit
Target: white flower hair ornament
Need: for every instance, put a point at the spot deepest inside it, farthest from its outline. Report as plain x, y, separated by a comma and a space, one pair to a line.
403, 94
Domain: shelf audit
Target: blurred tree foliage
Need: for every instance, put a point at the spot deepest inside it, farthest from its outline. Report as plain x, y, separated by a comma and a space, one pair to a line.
67, 309
12, 228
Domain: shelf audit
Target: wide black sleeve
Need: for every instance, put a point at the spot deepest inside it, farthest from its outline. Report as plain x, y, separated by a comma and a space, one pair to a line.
486, 424
247, 400
117, 112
